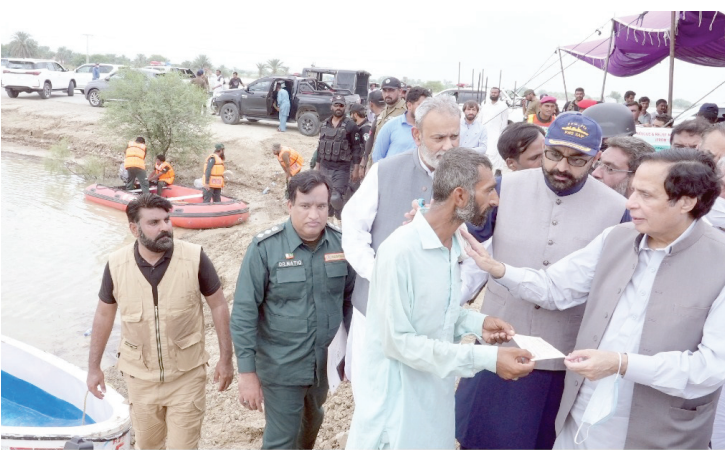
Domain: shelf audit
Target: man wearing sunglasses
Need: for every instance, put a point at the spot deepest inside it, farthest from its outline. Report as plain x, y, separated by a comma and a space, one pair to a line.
543, 215
619, 161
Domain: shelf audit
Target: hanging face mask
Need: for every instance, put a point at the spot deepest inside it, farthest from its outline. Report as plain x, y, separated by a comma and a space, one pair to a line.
602, 403
717, 215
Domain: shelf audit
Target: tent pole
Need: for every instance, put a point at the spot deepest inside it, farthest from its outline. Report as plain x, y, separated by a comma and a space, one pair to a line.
500, 79
563, 75
458, 79
672, 60
607, 60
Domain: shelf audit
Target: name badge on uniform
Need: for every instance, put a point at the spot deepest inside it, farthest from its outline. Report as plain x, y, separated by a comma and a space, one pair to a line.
334, 257
294, 263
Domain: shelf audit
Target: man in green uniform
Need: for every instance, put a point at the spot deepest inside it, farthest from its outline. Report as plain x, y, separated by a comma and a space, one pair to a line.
293, 290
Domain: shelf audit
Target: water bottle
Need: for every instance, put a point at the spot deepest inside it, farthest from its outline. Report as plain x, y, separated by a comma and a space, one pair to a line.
88, 332
267, 189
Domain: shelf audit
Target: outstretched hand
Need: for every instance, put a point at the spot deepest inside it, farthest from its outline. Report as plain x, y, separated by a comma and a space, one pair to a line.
496, 331
481, 256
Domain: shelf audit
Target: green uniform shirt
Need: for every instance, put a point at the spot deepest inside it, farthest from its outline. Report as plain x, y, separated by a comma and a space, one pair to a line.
288, 305
389, 113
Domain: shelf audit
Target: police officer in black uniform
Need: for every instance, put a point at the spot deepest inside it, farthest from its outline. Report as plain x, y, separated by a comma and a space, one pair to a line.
340, 148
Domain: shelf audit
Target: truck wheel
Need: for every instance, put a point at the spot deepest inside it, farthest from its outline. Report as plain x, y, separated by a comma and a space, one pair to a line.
230, 114
308, 124
47, 90
94, 99
71, 89
12, 93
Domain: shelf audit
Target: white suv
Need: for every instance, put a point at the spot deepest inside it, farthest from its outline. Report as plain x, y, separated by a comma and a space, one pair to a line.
37, 75
84, 74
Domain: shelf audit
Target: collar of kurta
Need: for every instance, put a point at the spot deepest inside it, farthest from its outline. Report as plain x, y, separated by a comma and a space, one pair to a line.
685, 240
430, 240
293, 238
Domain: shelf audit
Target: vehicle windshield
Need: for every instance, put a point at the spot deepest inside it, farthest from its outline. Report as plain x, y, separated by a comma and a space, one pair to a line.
26, 65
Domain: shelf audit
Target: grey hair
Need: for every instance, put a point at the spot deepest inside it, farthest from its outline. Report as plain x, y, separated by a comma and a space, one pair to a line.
459, 167
276, 146
633, 148
443, 104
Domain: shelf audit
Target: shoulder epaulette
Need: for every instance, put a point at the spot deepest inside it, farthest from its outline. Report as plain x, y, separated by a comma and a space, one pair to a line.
269, 232
334, 227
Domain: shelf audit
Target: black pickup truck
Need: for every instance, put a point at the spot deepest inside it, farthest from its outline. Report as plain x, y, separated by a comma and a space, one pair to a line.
309, 102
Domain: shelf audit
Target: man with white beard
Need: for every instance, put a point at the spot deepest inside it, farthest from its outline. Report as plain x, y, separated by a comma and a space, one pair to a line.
385, 195
619, 161
495, 116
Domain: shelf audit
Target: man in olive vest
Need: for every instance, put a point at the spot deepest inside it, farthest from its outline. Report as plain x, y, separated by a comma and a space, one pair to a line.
213, 176
135, 164
648, 364
157, 283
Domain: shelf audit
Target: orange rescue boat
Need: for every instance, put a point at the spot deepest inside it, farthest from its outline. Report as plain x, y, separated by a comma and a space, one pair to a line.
188, 210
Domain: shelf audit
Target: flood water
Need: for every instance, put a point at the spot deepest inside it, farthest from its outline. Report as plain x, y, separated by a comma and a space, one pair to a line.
54, 248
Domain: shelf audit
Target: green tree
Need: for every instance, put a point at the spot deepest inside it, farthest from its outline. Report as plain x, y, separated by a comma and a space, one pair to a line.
201, 62
276, 66
60, 160
261, 69
140, 60
5, 52
64, 55
78, 59
679, 103
23, 46
434, 86
226, 73
159, 58
616, 95
44, 52
188, 64
165, 110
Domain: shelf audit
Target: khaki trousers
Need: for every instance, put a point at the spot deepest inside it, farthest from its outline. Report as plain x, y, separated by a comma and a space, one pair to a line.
168, 413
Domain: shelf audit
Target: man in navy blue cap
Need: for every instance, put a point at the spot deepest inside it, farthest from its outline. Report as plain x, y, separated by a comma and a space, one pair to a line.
543, 215
339, 151
709, 111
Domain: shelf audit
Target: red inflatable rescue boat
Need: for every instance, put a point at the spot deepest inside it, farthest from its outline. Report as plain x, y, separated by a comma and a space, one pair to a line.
188, 210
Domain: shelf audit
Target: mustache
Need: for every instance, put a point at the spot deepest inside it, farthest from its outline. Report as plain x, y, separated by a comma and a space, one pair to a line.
163, 234
562, 174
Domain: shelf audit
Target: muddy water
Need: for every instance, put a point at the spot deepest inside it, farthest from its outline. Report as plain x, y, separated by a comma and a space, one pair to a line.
54, 248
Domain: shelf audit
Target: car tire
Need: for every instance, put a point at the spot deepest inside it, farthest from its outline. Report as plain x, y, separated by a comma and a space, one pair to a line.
229, 114
71, 89
252, 120
46, 91
94, 99
308, 124
12, 93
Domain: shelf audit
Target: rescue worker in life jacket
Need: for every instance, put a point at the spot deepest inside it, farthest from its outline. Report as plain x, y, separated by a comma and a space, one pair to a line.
289, 159
213, 177
546, 114
163, 174
340, 148
135, 164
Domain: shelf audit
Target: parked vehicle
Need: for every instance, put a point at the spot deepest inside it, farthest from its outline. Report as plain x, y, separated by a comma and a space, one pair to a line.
84, 74
183, 71
309, 102
356, 81
93, 88
480, 96
37, 75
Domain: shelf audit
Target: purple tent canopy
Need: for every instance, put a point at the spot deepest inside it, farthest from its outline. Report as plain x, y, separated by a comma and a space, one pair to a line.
642, 41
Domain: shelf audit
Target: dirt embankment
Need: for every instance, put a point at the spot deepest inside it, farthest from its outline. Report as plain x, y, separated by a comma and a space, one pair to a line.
28, 120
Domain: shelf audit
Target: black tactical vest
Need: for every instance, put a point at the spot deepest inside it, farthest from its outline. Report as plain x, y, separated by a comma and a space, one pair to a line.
333, 145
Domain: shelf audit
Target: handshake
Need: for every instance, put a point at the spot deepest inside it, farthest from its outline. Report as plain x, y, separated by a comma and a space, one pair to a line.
512, 362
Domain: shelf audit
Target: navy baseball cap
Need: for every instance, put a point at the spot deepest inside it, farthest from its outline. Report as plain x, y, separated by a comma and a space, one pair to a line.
376, 97
391, 83
337, 98
575, 131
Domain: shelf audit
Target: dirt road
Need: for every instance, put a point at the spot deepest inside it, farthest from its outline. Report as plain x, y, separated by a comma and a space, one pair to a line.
29, 120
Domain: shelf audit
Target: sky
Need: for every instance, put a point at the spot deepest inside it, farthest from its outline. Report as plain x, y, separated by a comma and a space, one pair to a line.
416, 39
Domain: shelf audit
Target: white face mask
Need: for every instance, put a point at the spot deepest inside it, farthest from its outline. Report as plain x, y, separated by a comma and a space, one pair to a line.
602, 403
717, 215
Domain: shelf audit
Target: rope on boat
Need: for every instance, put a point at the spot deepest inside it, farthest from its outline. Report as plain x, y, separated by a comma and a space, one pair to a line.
83, 419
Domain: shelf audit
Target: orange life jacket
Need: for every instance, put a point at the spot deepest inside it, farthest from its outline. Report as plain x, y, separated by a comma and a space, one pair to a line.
296, 161
167, 177
135, 155
216, 179
532, 118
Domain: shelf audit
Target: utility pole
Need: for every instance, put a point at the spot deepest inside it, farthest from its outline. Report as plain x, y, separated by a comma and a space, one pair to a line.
87, 37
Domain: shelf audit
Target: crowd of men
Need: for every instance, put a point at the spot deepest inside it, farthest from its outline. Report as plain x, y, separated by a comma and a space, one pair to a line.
591, 240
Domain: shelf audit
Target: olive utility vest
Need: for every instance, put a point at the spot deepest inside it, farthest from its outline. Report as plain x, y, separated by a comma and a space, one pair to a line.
687, 282
535, 228
159, 343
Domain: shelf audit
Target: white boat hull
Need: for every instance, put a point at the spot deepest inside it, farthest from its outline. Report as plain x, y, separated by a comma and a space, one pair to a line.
66, 382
